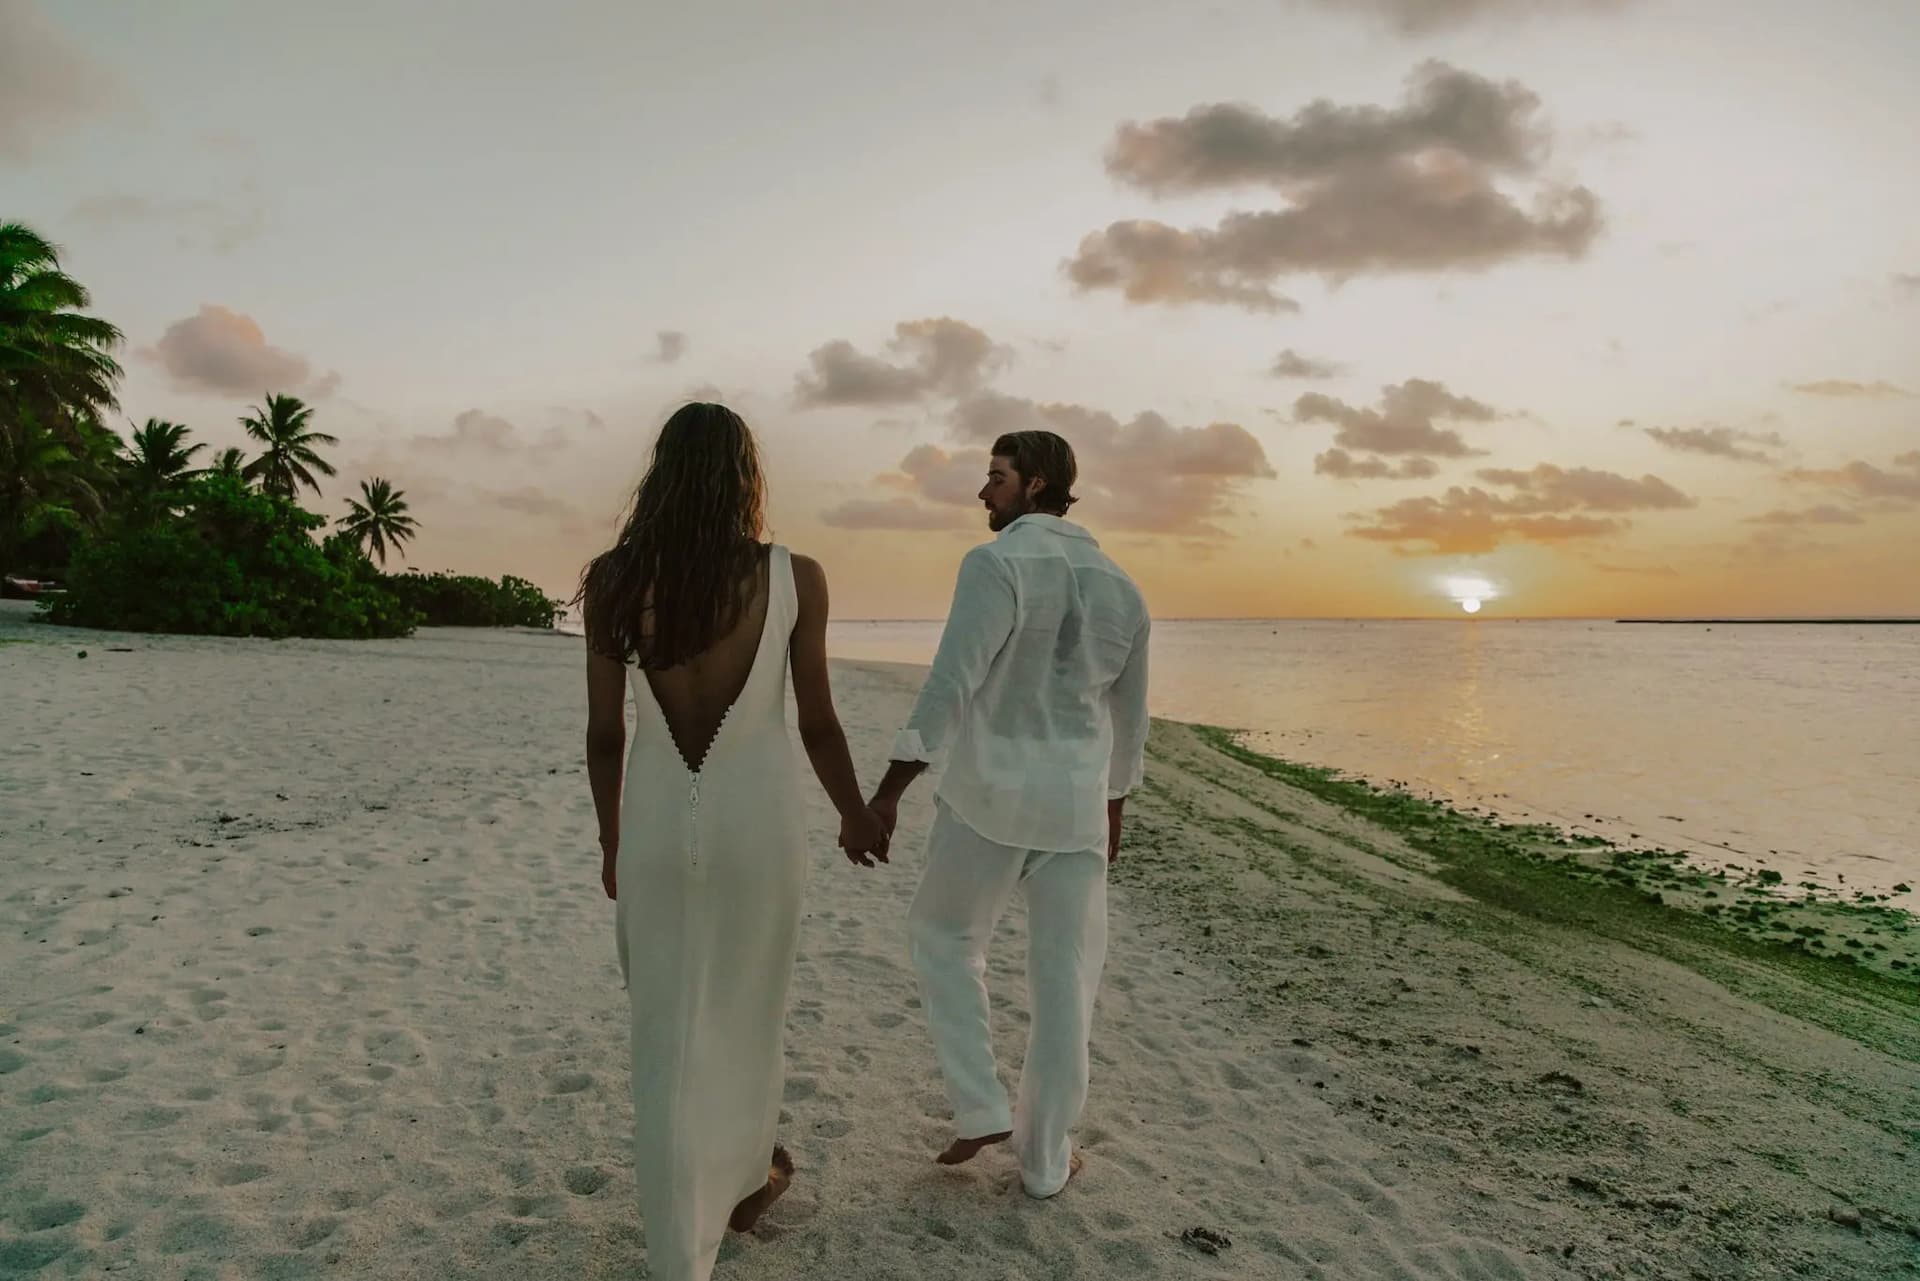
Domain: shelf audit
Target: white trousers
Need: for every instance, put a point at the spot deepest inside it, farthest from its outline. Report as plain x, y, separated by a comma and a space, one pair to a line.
963, 892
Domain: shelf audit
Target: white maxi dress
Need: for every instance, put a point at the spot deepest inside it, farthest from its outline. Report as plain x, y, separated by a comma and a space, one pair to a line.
712, 864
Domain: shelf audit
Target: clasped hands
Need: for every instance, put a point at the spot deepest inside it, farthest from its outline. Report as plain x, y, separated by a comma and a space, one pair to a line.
866, 833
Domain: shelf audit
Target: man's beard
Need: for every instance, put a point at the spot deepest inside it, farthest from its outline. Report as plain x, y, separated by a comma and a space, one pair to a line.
998, 520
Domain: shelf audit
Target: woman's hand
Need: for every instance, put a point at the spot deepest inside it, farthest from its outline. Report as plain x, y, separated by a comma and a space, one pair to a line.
864, 837
609, 859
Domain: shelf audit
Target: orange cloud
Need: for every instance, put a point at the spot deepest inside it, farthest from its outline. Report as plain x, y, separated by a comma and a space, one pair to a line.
1847, 390
222, 351
1339, 463
1867, 481
1719, 442
1551, 505
48, 84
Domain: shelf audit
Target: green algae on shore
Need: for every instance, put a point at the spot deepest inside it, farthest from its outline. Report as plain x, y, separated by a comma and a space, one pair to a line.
1550, 874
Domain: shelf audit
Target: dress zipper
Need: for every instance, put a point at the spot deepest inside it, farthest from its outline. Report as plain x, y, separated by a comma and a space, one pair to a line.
693, 814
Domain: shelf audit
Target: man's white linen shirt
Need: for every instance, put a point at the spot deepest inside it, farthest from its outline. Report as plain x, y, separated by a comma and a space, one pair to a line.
1037, 701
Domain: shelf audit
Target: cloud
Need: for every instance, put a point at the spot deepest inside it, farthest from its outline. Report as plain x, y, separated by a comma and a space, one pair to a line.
1142, 475
895, 513
1824, 514
477, 432
48, 84
1653, 571
1425, 17
1719, 442
222, 351
672, 344
420, 485
1845, 389
198, 221
1369, 190
1551, 505
942, 357
1471, 521
529, 500
1547, 488
1864, 480
1338, 462
1291, 364
1405, 421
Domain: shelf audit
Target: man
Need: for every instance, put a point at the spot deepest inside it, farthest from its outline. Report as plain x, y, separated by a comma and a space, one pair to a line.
1037, 703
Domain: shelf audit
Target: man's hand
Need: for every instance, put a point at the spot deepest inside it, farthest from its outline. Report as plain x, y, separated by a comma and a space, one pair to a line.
609, 860
1114, 808
887, 809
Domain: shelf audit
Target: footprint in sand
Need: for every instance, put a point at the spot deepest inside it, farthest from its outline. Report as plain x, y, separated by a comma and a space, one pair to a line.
833, 1128
11, 1061
536, 1207
585, 1180
885, 1019
569, 1083
235, 1175
315, 1232
51, 1214
1235, 1077
198, 1093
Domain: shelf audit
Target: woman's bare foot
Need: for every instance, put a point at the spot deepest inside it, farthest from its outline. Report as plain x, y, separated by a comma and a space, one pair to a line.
779, 1178
961, 1151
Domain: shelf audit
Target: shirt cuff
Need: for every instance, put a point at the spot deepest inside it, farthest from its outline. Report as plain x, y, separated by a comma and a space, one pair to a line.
1119, 794
908, 747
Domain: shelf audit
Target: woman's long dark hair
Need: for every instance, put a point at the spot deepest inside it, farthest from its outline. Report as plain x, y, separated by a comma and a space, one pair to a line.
683, 570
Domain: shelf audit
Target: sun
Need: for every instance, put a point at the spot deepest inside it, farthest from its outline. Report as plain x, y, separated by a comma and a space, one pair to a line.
1471, 604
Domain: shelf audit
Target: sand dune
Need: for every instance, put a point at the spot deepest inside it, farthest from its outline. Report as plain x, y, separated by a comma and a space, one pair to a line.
305, 969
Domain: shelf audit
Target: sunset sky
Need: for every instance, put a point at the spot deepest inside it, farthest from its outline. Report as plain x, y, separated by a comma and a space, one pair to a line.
1614, 304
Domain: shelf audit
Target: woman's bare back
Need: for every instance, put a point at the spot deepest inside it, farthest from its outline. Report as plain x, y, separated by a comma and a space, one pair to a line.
695, 696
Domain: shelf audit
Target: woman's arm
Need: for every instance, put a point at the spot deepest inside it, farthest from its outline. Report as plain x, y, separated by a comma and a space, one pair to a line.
820, 731
606, 753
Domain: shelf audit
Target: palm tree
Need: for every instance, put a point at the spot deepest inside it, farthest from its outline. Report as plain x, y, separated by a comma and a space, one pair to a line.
54, 362
231, 461
44, 485
381, 520
158, 457
289, 460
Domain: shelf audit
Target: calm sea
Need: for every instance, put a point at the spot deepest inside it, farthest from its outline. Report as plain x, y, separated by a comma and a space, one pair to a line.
1795, 747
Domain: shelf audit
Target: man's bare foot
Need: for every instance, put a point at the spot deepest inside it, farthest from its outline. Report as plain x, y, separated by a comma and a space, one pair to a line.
1074, 1165
961, 1151
779, 1178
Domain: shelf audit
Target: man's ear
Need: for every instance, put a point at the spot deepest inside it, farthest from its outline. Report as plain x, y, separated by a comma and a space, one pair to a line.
1036, 486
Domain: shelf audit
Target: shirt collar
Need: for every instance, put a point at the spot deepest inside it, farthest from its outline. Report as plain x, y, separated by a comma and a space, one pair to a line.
1052, 524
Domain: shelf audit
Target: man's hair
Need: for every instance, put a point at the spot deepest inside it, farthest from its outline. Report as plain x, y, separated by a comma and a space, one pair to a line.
1047, 456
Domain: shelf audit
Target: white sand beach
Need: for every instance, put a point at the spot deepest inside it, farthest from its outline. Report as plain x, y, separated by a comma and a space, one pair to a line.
305, 970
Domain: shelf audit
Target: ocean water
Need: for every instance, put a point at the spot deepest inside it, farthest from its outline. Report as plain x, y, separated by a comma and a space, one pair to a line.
1795, 747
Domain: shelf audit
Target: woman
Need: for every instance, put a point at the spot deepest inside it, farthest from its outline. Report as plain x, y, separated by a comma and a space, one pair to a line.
707, 837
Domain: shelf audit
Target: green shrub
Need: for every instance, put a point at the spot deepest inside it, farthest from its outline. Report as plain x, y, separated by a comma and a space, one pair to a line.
227, 561
465, 600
